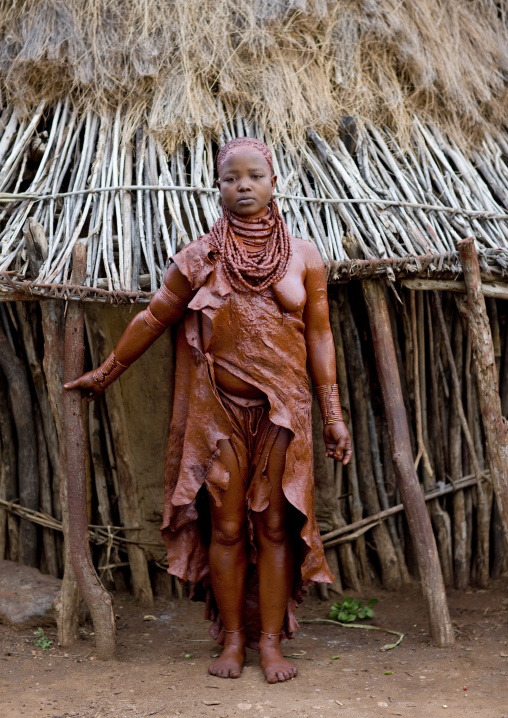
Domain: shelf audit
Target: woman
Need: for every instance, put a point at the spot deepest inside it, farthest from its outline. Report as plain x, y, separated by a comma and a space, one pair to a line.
238, 518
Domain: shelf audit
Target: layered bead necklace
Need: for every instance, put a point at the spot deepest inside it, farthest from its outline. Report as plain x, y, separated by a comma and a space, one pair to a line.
255, 251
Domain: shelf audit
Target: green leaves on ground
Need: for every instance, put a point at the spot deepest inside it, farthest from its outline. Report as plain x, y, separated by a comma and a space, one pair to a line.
351, 609
41, 640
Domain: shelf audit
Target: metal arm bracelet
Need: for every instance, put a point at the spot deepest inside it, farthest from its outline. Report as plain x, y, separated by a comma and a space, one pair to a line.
329, 403
108, 372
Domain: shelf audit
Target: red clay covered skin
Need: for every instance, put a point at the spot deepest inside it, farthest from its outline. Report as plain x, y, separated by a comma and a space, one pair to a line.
239, 507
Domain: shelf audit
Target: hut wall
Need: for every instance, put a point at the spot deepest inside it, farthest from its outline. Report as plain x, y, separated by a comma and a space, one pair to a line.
133, 421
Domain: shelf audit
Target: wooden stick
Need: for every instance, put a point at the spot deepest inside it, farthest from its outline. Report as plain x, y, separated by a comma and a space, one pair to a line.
415, 348
398, 430
9, 534
438, 441
499, 542
28, 475
494, 425
493, 289
127, 219
460, 563
440, 518
347, 557
48, 538
98, 600
455, 381
483, 493
387, 557
4, 473
27, 321
67, 605
463, 483
422, 451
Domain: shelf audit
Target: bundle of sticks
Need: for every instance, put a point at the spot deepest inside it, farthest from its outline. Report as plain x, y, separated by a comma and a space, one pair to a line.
91, 178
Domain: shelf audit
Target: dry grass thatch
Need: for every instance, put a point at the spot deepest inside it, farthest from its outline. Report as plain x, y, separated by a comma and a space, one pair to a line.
289, 63
134, 206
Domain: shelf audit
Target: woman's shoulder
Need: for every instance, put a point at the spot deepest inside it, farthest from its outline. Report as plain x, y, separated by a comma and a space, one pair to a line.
197, 259
308, 251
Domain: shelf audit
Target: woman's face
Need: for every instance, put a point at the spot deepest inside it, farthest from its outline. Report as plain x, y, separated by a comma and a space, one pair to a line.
246, 183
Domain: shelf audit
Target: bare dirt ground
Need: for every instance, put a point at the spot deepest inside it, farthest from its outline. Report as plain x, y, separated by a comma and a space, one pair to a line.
162, 667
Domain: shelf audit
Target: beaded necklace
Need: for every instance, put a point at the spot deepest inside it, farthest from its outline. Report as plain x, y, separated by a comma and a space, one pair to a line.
255, 251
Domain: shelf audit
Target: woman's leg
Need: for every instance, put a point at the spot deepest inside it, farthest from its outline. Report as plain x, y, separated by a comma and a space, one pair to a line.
275, 567
228, 565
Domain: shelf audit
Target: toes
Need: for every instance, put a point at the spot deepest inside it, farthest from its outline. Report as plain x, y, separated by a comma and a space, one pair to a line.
221, 671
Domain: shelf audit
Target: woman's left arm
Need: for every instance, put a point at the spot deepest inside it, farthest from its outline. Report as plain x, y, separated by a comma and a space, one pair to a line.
321, 356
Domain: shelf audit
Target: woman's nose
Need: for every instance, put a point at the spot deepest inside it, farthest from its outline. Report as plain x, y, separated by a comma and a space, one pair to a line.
244, 184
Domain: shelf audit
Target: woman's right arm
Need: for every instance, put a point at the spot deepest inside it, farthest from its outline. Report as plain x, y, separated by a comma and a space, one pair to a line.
166, 307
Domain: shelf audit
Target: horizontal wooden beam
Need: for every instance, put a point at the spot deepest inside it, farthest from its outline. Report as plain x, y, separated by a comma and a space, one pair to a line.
497, 290
348, 532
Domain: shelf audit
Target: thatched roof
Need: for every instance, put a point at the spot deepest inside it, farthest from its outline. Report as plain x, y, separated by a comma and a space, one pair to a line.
291, 64
135, 206
111, 114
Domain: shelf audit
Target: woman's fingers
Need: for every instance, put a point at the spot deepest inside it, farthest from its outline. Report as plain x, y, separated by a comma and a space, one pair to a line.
87, 385
347, 456
335, 454
340, 452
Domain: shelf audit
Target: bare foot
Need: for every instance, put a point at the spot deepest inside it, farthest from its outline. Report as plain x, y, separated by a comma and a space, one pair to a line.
230, 662
274, 665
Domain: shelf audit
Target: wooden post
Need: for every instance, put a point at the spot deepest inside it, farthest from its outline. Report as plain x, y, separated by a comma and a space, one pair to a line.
407, 480
67, 604
494, 425
98, 600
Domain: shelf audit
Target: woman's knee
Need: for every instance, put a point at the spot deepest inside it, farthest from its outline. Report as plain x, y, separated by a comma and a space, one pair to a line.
271, 527
228, 533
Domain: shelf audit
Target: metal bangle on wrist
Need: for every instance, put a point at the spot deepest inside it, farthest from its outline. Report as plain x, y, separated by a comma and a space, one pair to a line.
329, 403
108, 372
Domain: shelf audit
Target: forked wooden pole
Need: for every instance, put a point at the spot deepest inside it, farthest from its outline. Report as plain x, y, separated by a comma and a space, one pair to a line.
403, 462
98, 600
494, 425
68, 600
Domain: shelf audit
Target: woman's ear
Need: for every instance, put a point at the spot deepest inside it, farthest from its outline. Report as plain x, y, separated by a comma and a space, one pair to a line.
274, 181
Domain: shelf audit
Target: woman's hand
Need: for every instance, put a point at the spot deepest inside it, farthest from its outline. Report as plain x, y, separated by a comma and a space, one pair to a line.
338, 442
88, 386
